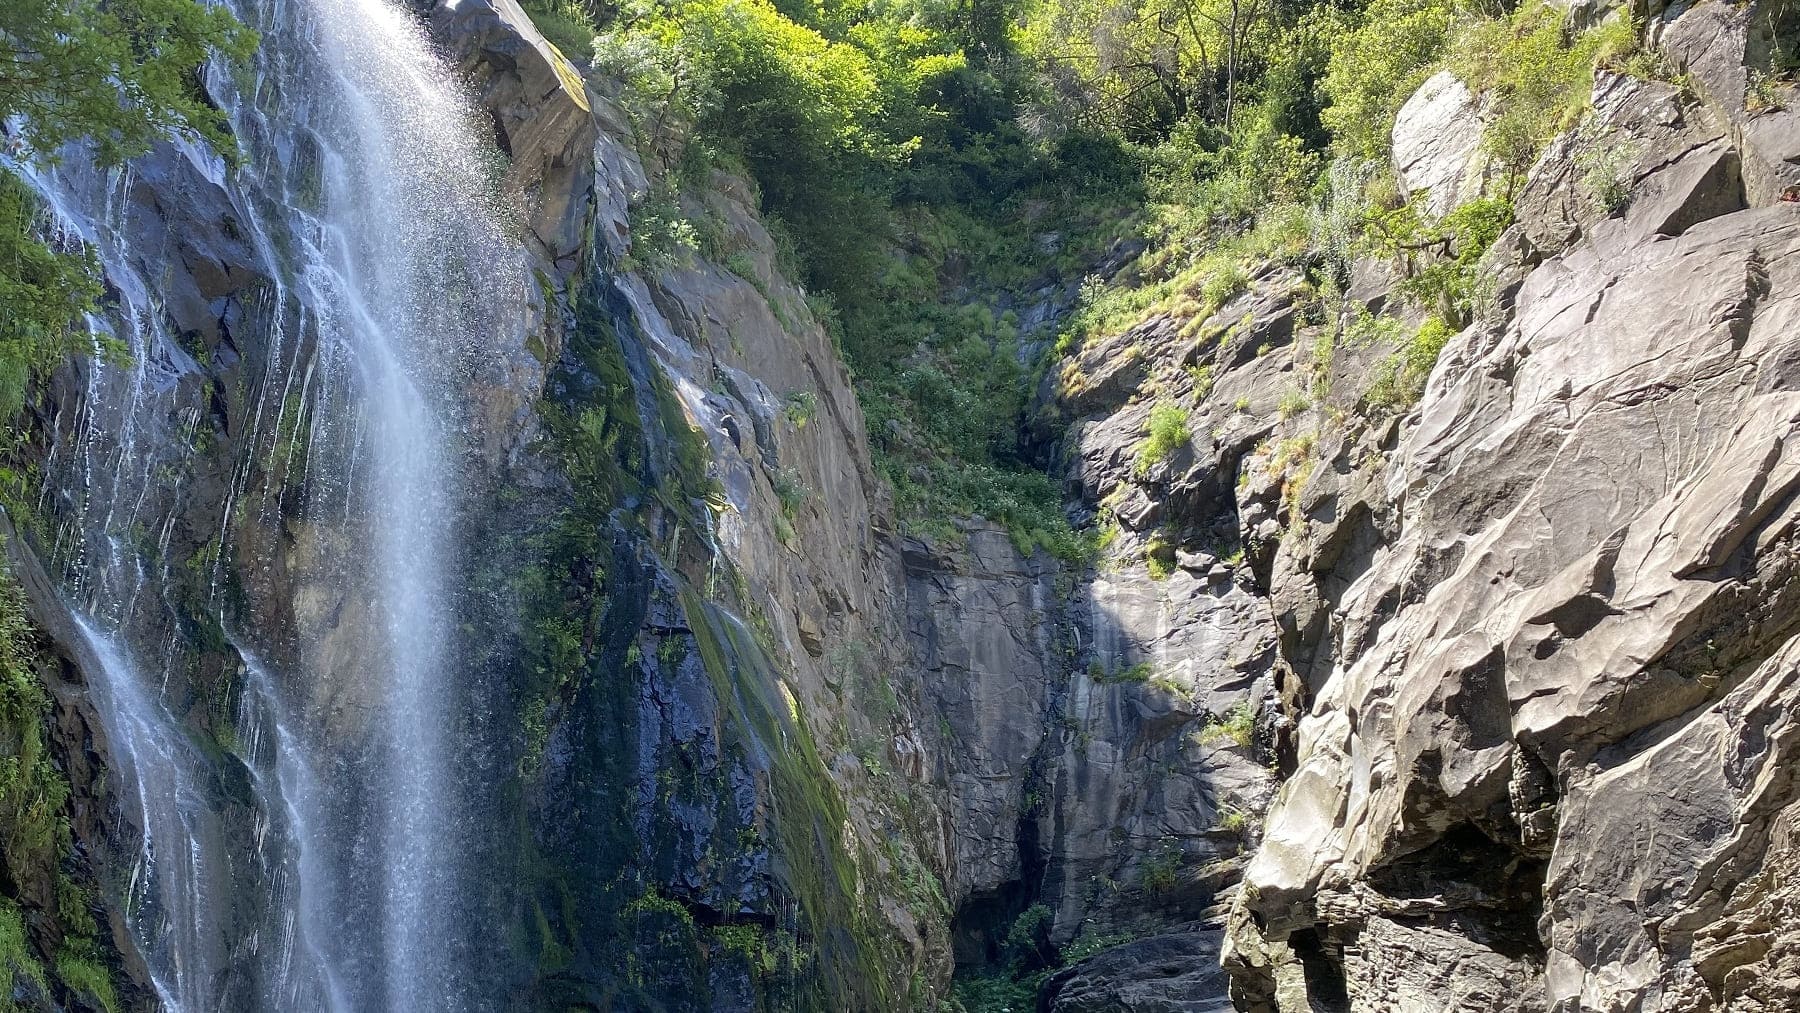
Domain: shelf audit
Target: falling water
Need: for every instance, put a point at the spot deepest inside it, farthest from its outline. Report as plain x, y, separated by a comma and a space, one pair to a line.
339, 880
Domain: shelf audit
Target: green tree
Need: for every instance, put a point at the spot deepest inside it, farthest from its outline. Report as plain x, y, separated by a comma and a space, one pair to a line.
1376, 67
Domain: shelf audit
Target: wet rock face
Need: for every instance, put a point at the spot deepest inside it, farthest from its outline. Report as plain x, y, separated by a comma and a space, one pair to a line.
542, 119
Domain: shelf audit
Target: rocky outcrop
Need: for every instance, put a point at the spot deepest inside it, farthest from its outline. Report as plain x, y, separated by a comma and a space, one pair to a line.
1528, 776
1437, 142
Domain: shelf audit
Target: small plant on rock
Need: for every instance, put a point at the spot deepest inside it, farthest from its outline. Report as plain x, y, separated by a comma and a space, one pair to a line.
1162, 870
1168, 433
1606, 176
1237, 726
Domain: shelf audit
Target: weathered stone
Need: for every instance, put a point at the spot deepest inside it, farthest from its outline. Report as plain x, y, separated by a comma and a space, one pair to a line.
1173, 973
1437, 142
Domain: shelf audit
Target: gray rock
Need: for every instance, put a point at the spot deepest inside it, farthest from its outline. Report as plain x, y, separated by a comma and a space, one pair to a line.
1437, 142
1587, 563
1172, 973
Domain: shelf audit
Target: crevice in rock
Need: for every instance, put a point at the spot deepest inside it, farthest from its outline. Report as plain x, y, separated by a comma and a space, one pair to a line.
1326, 988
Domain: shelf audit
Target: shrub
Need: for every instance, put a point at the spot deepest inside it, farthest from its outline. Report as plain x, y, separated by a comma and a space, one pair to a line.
1440, 257
1237, 726
1162, 870
1159, 558
1140, 672
566, 24
1539, 74
1605, 175
1028, 939
46, 292
1400, 379
1089, 942
1377, 66
1168, 433
800, 111
802, 408
1293, 402
791, 490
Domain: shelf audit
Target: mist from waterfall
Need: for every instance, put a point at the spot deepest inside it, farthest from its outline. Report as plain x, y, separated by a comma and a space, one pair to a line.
342, 881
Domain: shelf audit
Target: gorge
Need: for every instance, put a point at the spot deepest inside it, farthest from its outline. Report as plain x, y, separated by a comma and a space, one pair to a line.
525, 531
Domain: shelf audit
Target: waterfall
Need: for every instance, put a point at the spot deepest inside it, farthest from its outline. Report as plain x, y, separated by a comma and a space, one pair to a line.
339, 877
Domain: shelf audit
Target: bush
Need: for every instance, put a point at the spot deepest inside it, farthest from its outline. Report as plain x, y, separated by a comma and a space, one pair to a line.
1028, 939
1168, 433
1606, 175
46, 293
1162, 870
1539, 74
566, 24
1400, 379
1377, 66
1440, 257
1237, 726
801, 112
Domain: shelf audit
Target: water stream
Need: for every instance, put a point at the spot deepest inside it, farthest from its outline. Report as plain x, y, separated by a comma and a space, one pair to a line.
337, 874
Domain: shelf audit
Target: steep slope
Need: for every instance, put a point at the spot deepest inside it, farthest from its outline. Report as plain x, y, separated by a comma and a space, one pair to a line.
1538, 628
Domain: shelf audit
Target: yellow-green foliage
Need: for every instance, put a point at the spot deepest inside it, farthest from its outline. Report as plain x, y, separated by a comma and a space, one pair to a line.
1441, 257
1159, 558
16, 958
566, 24
1376, 66
1168, 433
1400, 379
1162, 870
121, 74
1539, 74
1237, 726
85, 977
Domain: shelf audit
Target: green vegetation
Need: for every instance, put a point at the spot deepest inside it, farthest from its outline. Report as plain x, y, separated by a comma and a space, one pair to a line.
927, 167
1029, 960
35, 842
1540, 73
1237, 726
1168, 433
119, 74
1161, 871
16, 957
1400, 378
1139, 672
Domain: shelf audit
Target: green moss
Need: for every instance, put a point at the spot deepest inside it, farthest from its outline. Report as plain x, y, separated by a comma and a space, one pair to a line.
85, 977
17, 960
807, 815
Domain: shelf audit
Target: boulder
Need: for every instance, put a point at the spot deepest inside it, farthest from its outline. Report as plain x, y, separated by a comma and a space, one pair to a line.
1437, 142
